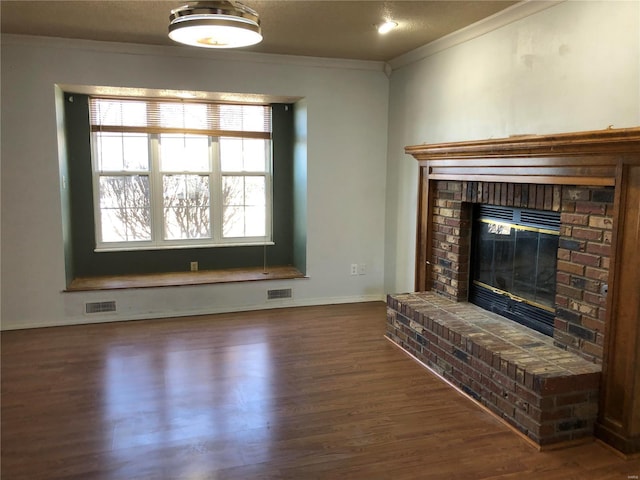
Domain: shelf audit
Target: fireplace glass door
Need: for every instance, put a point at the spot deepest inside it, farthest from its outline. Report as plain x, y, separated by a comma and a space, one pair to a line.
514, 256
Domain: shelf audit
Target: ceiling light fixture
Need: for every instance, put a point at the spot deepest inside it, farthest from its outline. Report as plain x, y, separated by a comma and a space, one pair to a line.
216, 24
386, 27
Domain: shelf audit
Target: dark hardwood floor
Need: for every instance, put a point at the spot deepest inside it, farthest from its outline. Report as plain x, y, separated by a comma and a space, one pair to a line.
304, 393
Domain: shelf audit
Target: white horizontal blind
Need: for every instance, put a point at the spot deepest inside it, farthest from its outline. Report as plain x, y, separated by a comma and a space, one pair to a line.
175, 116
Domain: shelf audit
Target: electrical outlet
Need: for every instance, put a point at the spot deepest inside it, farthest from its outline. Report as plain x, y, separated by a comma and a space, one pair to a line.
362, 269
194, 266
354, 269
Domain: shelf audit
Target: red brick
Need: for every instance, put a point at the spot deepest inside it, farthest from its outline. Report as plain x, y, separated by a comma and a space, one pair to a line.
593, 349
586, 284
583, 308
585, 259
558, 385
593, 324
599, 249
590, 207
527, 422
560, 324
556, 414
604, 223
574, 218
566, 231
596, 273
540, 197
570, 267
568, 207
454, 222
594, 298
586, 234
570, 399
602, 315
575, 194
569, 292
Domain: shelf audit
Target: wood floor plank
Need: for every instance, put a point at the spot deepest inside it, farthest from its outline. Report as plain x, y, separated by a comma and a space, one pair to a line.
300, 393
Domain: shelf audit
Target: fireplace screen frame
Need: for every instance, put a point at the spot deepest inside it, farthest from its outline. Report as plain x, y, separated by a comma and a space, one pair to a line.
502, 279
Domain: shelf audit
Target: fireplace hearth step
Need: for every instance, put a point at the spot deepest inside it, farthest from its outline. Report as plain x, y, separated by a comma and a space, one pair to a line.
548, 394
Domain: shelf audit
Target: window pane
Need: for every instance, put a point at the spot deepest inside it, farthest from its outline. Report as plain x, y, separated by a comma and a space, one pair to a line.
233, 222
232, 190
122, 152
125, 191
254, 191
125, 211
186, 201
184, 153
254, 221
243, 154
244, 200
186, 223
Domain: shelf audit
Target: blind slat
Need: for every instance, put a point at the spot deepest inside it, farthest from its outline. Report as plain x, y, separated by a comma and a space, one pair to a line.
178, 117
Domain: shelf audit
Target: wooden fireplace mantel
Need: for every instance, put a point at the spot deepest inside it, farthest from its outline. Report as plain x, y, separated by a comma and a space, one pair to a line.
598, 158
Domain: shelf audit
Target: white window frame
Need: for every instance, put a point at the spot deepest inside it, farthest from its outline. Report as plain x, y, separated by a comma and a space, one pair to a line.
215, 174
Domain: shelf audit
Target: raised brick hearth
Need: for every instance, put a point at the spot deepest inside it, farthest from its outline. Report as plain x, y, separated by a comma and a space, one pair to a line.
545, 392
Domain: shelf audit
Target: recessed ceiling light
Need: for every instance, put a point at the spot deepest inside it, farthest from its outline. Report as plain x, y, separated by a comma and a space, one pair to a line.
387, 26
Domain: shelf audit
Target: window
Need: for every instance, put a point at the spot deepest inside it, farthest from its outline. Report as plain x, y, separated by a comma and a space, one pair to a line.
170, 174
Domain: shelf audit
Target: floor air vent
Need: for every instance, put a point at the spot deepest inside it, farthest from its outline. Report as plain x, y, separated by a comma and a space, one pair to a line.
280, 293
100, 307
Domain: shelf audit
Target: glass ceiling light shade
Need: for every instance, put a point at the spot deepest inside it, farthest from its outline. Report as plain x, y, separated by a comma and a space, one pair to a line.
219, 24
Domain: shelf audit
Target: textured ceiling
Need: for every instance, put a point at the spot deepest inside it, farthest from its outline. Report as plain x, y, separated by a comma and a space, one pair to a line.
336, 29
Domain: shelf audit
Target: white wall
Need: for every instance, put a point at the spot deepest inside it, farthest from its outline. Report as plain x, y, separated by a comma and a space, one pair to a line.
346, 105
572, 67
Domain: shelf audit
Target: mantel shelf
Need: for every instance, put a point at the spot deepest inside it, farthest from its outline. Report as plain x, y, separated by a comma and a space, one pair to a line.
598, 142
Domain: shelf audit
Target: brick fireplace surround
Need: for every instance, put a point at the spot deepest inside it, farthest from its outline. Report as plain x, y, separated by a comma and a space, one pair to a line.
586, 378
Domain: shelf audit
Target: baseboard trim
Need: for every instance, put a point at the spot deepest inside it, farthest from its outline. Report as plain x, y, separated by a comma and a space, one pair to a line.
286, 303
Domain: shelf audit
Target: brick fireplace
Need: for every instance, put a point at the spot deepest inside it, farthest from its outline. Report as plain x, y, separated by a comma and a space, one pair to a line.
583, 255
548, 388
501, 375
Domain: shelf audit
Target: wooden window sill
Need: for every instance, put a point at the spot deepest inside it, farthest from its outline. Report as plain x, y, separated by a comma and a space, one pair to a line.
177, 279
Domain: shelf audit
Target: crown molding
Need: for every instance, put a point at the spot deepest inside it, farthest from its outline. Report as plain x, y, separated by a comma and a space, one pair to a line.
190, 52
486, 25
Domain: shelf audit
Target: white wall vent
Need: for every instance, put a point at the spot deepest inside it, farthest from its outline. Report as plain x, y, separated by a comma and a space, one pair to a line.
279, 293
100, 307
